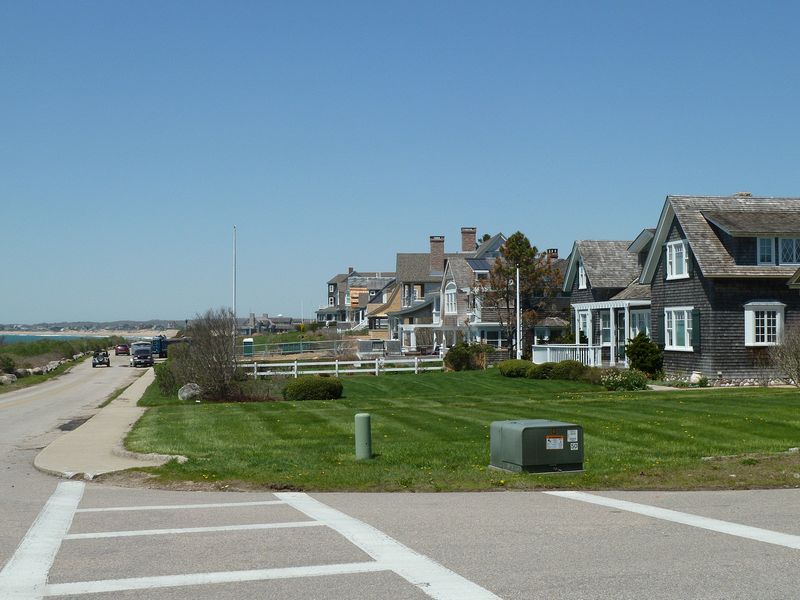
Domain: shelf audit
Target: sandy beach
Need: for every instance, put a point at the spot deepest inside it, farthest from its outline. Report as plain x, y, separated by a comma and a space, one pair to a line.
97, 333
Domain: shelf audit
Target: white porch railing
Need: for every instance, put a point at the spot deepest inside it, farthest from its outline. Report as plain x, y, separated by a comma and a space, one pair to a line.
376, 366
588, 355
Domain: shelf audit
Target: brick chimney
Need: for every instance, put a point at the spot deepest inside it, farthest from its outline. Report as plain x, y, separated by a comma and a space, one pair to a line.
349, 270
437, 254
468, 236
552, 253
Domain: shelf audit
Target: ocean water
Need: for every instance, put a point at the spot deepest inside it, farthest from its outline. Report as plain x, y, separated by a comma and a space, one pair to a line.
15, 338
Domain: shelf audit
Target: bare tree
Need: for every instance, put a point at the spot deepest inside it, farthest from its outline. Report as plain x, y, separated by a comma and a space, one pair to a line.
209, 360
786, 355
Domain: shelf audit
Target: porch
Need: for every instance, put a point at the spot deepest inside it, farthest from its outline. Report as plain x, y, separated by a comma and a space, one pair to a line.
602, 330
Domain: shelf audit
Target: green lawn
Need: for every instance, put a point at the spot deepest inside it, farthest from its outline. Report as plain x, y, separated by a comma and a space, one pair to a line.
431, 433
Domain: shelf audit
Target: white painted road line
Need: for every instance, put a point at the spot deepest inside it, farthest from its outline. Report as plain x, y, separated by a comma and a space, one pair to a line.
164, 581
429, 576
743, 531
181, 506
25, 575
137, 532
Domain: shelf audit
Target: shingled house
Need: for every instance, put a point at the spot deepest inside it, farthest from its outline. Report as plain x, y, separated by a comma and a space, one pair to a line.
419, 278
720, 271
608, 304
350, 293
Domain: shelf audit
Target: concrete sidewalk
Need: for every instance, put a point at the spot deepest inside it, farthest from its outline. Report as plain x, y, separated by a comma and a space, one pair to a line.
96, 446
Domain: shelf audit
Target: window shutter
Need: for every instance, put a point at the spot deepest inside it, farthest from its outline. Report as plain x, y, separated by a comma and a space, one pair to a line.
664, 264
660, 324
689, 261
696, 330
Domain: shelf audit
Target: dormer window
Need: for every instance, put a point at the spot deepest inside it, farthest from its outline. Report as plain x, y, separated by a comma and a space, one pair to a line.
581, 275
790, 251
766, 251
677, 260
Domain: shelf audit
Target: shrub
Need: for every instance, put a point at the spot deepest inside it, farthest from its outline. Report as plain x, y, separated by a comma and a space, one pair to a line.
616, 380
644, 355
466, 357
542, 371
165, 378
7, 364
514, 368
592, 375
571, 370
313, 387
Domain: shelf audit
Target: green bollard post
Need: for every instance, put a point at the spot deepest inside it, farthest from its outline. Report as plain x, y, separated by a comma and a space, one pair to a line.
363, 436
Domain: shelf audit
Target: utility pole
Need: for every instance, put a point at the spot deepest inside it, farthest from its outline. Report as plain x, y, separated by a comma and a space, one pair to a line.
235, 321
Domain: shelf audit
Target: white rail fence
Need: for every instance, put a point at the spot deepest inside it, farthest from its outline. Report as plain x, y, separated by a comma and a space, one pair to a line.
588, 355
376, 366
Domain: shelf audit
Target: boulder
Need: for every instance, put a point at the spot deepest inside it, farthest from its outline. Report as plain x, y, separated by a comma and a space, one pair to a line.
7, 379
37, 371
20, 373
189, 391
51, 366
695, 377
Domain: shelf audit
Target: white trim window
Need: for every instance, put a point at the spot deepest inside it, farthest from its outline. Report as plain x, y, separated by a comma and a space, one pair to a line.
678, 328
331, 288
450, 299
640, 322
789, 251
677, 260
583, 323
581, 275
766, 251
330, 300
763, 323
605, 327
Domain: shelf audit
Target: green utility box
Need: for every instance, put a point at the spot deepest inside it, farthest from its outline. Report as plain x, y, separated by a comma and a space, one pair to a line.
247, 349
536, 446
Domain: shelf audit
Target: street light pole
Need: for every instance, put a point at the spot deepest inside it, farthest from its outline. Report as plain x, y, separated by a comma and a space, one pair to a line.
519, 324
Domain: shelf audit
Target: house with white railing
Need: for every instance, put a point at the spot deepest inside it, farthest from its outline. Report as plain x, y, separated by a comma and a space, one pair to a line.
608, 304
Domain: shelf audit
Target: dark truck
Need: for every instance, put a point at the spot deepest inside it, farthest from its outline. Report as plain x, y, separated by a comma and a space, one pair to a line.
158, 346
141, 355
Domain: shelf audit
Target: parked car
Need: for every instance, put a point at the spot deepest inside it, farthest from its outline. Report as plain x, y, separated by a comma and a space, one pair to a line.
101, 358
122, 349
142, 357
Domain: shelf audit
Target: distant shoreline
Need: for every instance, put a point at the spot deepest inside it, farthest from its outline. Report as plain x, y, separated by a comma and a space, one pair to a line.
100, 333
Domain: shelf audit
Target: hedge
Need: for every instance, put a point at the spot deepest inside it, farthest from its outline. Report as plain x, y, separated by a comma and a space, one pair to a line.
313, 387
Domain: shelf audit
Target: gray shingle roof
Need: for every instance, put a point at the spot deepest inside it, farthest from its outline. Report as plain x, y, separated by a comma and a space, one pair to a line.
741, 223
635, 291
463, 275
709, 252
415, 267
338, 278
608, 264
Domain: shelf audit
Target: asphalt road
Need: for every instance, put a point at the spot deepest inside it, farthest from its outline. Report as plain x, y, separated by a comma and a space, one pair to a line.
75, 540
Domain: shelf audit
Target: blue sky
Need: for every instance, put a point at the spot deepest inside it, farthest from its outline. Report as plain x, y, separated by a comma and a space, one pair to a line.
134, 135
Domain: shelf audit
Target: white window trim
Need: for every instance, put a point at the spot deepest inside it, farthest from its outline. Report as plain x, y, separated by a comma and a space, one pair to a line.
450, 303
581, 275
771, 260
605, 319
670, 259
688, 332
330, 300
331, 288
780, 251
750, 321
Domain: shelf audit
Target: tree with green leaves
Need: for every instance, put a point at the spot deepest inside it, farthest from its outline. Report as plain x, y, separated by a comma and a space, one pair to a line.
538, 279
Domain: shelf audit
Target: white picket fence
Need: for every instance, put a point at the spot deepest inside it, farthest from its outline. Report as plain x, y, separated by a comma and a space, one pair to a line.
416, 364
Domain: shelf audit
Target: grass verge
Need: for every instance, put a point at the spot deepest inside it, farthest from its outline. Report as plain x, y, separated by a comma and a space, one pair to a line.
431, 433
34, 379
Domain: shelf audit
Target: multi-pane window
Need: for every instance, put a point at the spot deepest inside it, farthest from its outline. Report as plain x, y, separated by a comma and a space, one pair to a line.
790, 251
581, 275
450, 299
766, 254
331, 288
605, 327
763, 323
677, 260
330, 301
678, 328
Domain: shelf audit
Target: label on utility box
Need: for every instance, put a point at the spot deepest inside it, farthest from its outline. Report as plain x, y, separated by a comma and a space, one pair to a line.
554, 442
572, 435
573, 445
